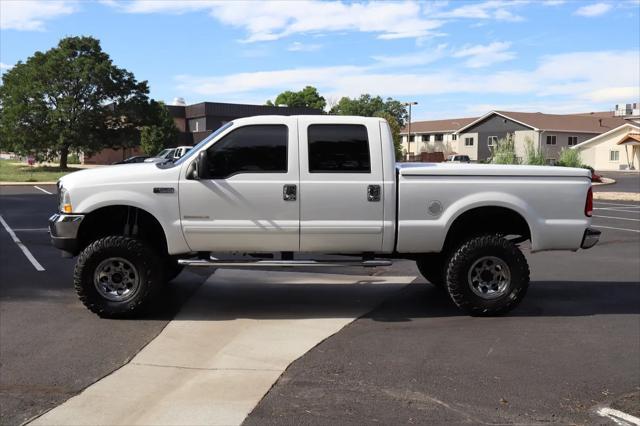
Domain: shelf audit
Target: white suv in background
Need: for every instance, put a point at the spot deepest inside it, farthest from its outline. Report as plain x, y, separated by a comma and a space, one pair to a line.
458, 159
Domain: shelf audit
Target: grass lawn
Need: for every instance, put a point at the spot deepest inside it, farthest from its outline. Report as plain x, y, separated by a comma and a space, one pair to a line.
12, 171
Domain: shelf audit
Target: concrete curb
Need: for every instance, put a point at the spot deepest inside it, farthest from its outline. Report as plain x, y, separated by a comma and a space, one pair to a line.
605, 181
617, 196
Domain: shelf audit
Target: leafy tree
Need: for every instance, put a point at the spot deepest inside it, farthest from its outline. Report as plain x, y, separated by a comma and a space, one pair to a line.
505, 152
70, 98
307, 97
569, 158
368, 106
161, 135
533, 155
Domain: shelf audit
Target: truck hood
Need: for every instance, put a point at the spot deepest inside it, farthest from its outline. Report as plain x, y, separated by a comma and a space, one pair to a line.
119, 174
444, 169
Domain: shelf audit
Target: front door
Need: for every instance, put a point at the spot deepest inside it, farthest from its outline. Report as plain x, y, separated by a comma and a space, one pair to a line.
341, 188
250, 201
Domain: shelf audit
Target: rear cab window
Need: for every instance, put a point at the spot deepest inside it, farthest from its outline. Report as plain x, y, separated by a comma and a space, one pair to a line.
338, 148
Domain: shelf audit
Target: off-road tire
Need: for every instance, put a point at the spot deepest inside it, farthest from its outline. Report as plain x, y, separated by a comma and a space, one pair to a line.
462, 260
148, 266
432, 267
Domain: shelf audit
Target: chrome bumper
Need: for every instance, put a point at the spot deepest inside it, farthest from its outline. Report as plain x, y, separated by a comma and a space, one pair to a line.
590, 238
63, 229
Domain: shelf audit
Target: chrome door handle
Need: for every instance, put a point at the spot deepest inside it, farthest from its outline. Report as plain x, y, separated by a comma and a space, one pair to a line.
373, 193
289, 192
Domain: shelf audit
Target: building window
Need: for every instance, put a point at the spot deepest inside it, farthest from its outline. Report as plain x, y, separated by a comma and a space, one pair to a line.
614, 155
412, 138
573, 140
338, 148
468, 141
551, 139
492, 141
427, 138
439, 137
454, 137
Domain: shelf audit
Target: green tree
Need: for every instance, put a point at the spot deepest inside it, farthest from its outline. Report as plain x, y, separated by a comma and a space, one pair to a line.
307, 97
68, 99
164, 133
505, 152
368, 106
569, 158
533, 155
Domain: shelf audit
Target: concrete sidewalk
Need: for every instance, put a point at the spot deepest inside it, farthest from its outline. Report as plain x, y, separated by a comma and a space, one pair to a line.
226, 348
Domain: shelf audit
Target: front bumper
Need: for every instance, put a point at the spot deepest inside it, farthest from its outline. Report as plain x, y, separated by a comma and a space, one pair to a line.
590, 238
63, 229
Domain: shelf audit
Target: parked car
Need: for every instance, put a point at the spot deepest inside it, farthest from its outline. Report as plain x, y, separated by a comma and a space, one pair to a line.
169, 154
133, 160
302, 187
458, 159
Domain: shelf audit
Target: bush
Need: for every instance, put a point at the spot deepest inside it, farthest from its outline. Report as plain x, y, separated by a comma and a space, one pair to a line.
73, 159
533, 155
569, 158
505, 152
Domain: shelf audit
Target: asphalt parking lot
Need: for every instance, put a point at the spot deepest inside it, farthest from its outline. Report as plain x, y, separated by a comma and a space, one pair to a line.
572, 345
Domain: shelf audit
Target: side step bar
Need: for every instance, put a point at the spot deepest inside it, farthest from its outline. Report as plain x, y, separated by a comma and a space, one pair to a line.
282, 263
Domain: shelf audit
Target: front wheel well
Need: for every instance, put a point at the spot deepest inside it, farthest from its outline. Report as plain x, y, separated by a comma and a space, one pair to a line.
121, 220
487, 220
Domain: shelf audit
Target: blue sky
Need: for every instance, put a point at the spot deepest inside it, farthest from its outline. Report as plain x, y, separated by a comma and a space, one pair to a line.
455, 58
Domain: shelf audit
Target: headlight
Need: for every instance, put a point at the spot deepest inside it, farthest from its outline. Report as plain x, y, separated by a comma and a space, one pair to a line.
64, 200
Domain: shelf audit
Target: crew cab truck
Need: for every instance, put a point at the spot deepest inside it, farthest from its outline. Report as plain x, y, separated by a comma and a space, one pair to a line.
285, 189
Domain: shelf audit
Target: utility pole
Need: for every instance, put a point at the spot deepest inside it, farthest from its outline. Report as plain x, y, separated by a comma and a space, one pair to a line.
409, 104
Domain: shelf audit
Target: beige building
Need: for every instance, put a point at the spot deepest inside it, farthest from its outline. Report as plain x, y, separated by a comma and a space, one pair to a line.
617, 149
433, 136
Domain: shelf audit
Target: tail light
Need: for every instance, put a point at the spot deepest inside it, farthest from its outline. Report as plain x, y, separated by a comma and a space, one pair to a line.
588, 205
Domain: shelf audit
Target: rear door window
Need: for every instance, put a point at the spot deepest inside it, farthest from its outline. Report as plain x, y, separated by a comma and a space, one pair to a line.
338, 148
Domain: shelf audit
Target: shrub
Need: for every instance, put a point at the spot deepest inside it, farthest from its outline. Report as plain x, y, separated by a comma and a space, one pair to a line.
73, 159
533, 155
569, 158
505, 152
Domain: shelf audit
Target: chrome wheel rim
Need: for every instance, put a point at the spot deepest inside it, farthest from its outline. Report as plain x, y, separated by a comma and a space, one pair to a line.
116, 279
489, 277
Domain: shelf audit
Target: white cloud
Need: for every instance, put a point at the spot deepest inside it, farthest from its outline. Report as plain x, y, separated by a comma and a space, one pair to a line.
274, 20
492, 9
580, 78
4, 66
595, 9
614, 94
422, 57
553, 2
31, 15
485, 55
297, 46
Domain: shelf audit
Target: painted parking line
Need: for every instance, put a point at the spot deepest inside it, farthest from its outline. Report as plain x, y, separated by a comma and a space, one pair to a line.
616, 209
616, 204
22, 247
43, 190
226, 348
617, 229
617, 218
619, 417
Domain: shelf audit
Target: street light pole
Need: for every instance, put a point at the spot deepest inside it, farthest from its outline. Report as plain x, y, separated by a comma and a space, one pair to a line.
409, 104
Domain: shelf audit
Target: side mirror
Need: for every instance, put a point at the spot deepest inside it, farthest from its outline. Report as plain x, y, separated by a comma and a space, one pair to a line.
198, 168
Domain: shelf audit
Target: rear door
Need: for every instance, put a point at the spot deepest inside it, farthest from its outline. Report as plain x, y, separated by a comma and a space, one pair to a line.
341, 191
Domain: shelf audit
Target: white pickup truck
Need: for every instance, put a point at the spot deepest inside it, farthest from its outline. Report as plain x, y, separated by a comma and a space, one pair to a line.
282, 191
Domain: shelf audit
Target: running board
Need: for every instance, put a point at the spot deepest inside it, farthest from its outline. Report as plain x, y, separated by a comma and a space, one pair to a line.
282, 263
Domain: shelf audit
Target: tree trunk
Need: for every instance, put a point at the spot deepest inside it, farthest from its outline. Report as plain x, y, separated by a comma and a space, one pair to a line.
64, 153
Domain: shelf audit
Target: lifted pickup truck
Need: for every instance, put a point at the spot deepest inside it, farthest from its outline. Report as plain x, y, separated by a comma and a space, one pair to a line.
284, 189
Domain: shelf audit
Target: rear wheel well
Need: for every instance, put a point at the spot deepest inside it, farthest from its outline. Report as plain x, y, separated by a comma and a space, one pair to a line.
121, 220
487, 220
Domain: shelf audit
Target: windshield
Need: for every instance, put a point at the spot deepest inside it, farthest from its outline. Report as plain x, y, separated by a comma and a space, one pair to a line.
163, 152
203, 142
